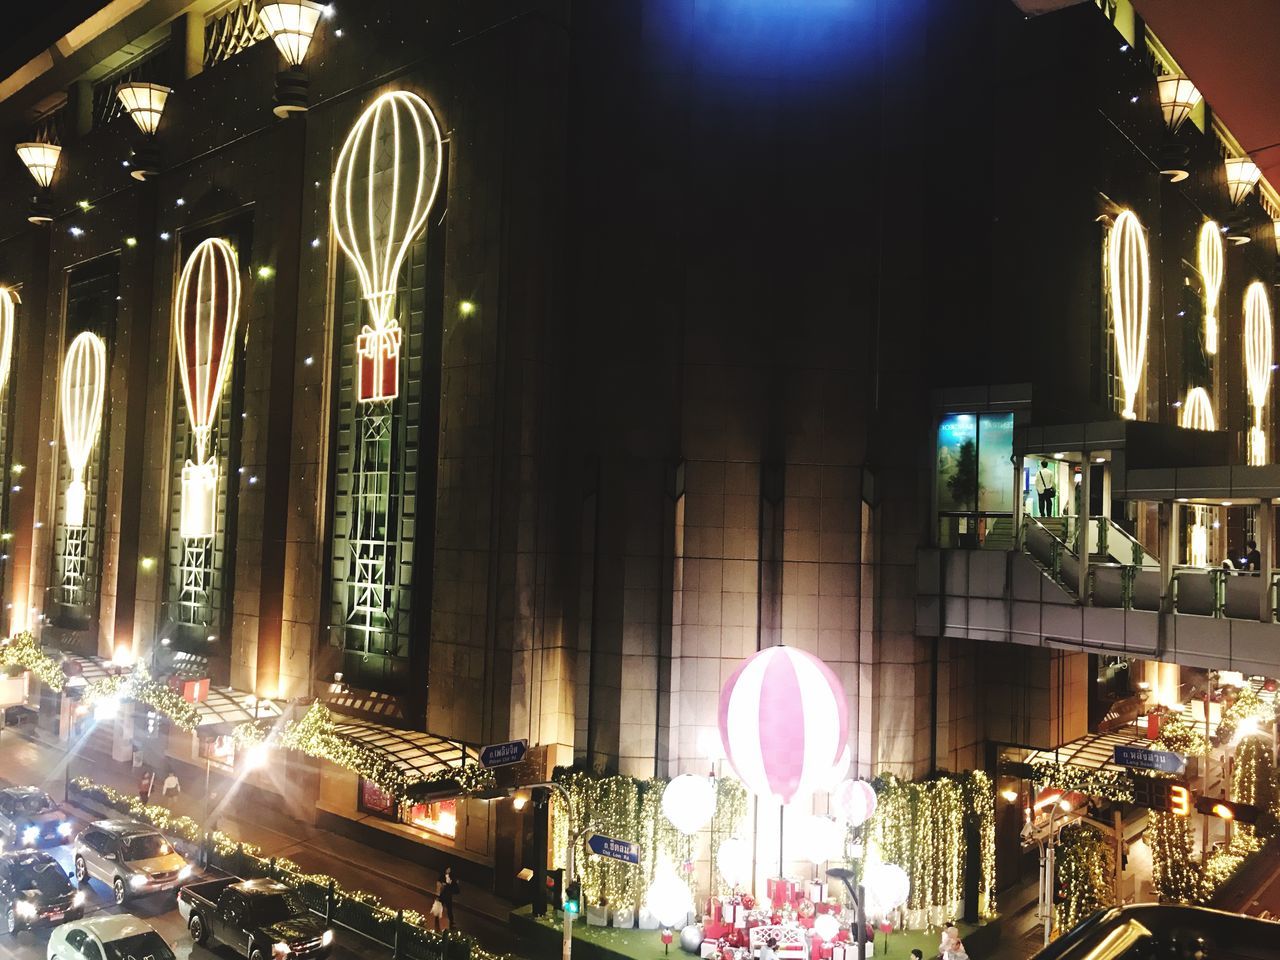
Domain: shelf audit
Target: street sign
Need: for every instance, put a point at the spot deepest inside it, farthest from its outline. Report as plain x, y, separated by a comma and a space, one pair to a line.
1143, 759
623, 850
504, 754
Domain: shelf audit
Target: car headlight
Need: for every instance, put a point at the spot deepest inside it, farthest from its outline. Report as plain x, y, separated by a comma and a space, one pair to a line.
64, 829
281, 949
77, 899
184, 872
30, 835
25, 909
137, 880
326, 938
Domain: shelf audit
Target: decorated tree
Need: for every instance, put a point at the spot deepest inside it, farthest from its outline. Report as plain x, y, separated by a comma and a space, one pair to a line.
1252, 781
1085, 866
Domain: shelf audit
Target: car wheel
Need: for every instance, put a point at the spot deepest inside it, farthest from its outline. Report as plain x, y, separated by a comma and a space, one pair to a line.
256, 954
82, 872
11, 920
198, 933
118, 888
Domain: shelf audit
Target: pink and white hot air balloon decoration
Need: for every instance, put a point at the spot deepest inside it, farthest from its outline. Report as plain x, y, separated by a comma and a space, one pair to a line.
206, 312
855, 801
784, 723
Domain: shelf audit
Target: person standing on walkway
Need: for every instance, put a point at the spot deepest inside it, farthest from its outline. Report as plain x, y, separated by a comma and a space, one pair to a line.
1045, 488
145, 783
442, 909
1253, 558
171, 786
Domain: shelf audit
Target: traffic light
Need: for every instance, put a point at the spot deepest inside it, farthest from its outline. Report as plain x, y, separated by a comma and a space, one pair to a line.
573, 897
1179, 800
1158, 793
1228, 810
555, 887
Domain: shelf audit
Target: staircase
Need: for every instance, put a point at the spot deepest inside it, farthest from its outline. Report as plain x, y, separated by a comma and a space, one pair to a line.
1000, 535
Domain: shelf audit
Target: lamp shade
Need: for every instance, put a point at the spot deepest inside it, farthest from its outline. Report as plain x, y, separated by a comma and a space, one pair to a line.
783, 722
145, 103
1242, 176
291, 24
689, 802
1178, 97
41, 159
81, 393
1275, 228
1128, 287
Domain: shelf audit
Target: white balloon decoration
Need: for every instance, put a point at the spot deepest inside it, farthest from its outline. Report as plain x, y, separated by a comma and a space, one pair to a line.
733, 858
855, 800
689, 802
826, 926
815, 838
887, 886
670, 901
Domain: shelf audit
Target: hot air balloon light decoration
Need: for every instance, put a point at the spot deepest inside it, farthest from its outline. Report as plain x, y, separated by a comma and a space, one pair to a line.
82, 389
1209, 255
1128, 286
1197, 414
394, 148
205, 315
8, 304
1258, 359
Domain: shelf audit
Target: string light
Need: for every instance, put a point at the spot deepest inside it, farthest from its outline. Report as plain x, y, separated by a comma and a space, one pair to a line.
7, 311
1197, 410
1085, 865
1128, 287
1209, 256
82, 388
385, 182
205, 316
1258, 355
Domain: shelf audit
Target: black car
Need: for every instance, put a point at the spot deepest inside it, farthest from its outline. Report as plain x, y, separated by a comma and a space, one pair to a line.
30, 818
260, 919
35, 890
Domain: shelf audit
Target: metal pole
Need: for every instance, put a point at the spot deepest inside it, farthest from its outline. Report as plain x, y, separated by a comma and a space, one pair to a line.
1119, 825
567, 949
781, 812
1204, 781
1048, 916
860, 905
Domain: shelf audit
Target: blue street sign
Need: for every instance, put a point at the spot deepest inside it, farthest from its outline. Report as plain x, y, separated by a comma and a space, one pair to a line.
504, 754
1144, 759
623, 850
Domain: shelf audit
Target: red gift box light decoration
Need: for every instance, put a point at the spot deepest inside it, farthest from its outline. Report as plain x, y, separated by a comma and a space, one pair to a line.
378, 355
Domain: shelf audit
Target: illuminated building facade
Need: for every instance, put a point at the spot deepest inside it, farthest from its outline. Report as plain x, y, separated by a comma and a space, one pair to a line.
579, 353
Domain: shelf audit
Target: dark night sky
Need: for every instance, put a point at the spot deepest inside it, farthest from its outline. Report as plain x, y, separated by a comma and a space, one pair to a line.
1229, 49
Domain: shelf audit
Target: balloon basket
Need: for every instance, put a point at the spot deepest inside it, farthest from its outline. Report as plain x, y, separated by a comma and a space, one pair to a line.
74, 504
199, 500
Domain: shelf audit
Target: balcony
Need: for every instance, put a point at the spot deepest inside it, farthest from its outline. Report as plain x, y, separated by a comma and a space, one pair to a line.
1121, 600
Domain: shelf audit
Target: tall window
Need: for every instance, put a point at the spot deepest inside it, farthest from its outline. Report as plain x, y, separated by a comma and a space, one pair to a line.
198, 586
77, 556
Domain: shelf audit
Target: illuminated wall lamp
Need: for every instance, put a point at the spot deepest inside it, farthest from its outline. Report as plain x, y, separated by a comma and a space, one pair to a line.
1178, 98
1275, 227
291, 25
145, 105
41, 160
1242, 176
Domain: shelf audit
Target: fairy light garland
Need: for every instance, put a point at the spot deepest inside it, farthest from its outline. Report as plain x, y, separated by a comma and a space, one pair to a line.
82, 389
1085, 865
1258, 352
1128, 287
1210, 260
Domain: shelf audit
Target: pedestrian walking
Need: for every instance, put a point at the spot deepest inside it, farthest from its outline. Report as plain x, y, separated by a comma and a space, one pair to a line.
144, 785
446, 889
1045, 491
171, 786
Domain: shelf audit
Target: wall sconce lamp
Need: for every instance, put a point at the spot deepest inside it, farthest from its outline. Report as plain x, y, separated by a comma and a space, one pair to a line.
145, 104
291, 24
1242, 176
1178, 97
41, 160
1275, 227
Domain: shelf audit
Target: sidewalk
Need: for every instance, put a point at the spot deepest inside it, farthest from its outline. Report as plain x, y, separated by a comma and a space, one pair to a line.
33, 756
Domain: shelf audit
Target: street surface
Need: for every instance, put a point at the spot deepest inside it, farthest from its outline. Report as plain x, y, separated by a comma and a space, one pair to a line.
30, 760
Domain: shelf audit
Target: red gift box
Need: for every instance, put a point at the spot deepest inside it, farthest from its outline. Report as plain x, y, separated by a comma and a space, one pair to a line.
783, 892
715, 929
378, 353
192, 691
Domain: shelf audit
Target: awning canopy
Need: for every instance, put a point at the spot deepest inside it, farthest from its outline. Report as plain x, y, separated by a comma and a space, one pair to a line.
224, 705
419, 755
1094, 752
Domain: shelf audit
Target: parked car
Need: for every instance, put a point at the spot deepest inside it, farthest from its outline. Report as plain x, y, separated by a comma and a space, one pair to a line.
260, 919
35, 890
135, 860
29, 818
117, 937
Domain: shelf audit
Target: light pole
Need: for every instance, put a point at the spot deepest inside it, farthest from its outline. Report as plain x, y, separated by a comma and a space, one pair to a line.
858, 895
570, 872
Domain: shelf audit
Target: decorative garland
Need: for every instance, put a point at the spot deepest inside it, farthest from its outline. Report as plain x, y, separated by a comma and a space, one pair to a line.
22, 650
1109, 784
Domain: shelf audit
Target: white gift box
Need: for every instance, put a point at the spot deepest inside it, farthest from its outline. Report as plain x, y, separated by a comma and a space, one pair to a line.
818, 891
709, 949
647, 920
597, 915
624, 917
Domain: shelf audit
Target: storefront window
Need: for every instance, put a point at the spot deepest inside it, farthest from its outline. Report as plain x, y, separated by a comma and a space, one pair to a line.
219, 750
441, 818
974, 475
374, 799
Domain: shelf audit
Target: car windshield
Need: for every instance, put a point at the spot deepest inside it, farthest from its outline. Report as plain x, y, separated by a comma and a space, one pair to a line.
33, 804
141, 946
146, 847
42, 874
276, 907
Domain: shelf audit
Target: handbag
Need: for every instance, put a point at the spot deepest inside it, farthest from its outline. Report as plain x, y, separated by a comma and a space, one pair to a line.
437, 909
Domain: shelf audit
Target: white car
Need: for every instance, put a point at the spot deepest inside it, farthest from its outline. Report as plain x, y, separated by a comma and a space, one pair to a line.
118, 937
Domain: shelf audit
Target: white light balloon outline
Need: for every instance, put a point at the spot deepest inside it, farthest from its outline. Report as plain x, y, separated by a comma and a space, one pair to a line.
81, 392
1210, 260
855, 801
1197, 414
1128, 275
1259, 352
689, 802
378, 250
8, 309
214, 269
